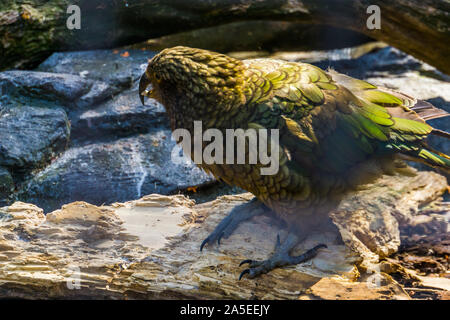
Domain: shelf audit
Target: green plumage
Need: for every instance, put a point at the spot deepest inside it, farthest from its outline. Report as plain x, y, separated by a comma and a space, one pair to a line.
334, 130
367, 122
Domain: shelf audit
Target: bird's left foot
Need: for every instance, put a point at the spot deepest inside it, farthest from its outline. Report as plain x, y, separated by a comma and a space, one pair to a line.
279, 258
235, 217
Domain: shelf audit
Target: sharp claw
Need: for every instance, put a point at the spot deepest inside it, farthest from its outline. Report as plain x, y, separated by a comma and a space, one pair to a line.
320, 246
144, 82
219, 238
249, 261
203, 243
243, 273
278, 243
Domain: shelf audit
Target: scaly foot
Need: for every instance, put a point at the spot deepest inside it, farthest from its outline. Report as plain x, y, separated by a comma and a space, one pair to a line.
238, 214
280, 257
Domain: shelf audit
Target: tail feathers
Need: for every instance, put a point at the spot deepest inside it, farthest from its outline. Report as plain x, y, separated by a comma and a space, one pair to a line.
428, 155
421, 111
434, 159
440, 133
427, 111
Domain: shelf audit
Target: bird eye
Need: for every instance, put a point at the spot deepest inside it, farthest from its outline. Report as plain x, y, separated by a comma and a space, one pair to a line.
157, 77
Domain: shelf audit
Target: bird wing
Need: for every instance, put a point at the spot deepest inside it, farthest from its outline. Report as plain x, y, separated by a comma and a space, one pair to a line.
332, 122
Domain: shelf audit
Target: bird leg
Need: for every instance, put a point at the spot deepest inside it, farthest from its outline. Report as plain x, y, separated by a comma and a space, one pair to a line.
238, 214
280, 257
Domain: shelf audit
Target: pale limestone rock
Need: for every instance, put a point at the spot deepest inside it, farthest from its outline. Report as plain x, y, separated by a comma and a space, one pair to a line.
149, 248
369, 220
334, 289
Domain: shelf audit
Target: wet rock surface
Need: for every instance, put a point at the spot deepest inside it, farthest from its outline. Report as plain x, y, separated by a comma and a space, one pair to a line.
117, 171
6, 186
118, 68
149, 249
118, 149
119, 117
43, 85
31, 136
52, 90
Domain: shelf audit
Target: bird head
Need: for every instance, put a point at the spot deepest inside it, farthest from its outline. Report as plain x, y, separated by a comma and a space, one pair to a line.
194, 74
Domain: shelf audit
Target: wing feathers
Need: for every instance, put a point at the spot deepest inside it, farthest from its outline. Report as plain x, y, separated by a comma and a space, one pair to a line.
352, 119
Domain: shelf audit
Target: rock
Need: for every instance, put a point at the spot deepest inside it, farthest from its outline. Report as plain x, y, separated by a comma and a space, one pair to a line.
45, 89
118, 68
334, 289
120, 115
99, 91
425, 248
436, 282
149, 249
370, 220
124, 115
43, 85
324, 57
364, 61
6, 185
111, 71
101, 168
116, 171
31, 136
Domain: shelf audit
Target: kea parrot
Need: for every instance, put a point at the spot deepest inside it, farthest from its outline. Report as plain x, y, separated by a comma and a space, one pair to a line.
336, 133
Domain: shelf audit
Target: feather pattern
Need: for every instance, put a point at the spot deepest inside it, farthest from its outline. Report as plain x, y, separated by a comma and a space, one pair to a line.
335, 131
356, 120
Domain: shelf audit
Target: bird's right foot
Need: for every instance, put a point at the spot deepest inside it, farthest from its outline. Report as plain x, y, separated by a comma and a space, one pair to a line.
280, 257
238, 214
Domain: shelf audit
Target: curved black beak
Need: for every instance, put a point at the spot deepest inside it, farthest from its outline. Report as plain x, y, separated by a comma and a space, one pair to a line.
143, 84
